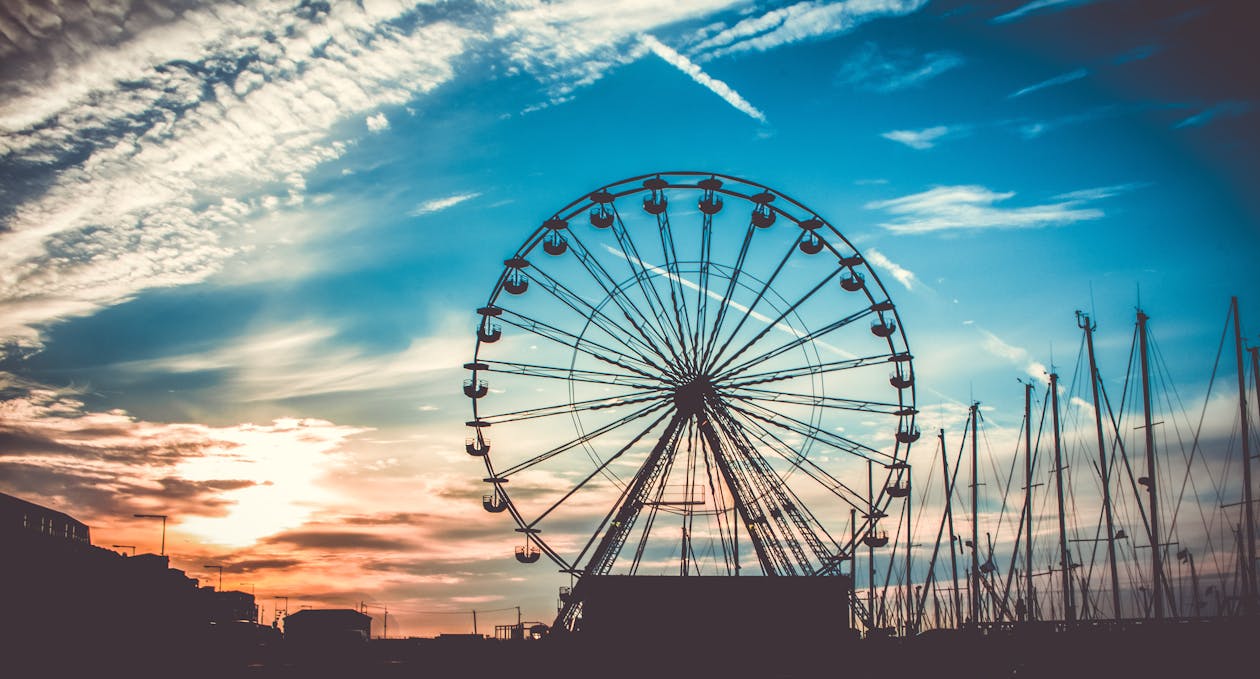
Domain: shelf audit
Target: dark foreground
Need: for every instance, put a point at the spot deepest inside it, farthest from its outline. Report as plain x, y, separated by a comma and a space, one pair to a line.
1221, 648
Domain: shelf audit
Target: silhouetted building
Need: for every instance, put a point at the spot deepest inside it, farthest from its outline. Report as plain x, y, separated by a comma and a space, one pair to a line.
327, 625
18, 515
786, 611
58, 592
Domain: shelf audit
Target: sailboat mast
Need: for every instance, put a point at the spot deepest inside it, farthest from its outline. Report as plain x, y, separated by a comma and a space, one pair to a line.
1030, 605
1249, 527
949, 517
1085, 323
974, 583
1065, 558
910, 598
870, 545
1157, 569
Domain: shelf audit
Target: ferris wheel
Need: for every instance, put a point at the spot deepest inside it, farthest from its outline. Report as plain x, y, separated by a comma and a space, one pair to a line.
689, 373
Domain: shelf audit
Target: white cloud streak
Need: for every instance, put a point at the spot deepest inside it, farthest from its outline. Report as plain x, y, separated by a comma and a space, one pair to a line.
1062, 79
952, 208
1035, 6
439, 204
693, 71
906, 277
919, 140
883, 71
799, 22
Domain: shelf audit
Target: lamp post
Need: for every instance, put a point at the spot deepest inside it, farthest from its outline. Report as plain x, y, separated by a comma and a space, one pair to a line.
131, 547
214, 565
156, 516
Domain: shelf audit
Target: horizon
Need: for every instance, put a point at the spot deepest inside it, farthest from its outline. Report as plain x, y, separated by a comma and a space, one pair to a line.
244, 245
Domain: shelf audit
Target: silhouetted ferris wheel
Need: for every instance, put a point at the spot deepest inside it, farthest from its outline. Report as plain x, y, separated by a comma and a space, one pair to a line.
689, 373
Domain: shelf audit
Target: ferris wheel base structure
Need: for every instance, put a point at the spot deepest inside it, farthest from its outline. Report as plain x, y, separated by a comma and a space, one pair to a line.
781, 612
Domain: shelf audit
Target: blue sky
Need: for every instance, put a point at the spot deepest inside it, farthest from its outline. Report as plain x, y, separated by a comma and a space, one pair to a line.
243, 244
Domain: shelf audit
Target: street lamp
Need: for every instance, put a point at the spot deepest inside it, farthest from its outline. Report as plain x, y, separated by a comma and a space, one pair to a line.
156, 516
214, 565
131, 547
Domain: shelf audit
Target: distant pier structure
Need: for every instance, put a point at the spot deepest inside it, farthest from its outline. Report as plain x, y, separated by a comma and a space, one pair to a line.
693, 394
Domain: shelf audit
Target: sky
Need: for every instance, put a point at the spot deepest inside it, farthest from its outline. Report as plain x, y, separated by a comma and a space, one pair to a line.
243, 245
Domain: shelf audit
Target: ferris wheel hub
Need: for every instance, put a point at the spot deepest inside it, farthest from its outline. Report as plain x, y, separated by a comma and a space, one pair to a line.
690, 396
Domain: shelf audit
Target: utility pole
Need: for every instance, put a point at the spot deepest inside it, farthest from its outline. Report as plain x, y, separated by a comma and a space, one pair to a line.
1084, 322
156, 516
1249, 527
1157, 568
1065, 557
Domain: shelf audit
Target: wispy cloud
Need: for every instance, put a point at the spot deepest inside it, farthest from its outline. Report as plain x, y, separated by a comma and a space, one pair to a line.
1061, 79
798, 22
878, 70
693, 71
305, 359
953, 208
377, 123
906, 277
918, 139
1225, 109
1019, 356
439, 204
1037, 5
227, 484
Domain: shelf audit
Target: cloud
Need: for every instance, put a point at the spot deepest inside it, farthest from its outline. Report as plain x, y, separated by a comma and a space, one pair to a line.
693, 71
949, 208
160, 146
305, 359
338, 541
798, 22
882, 71
226, 485
1222, 110
903, 275
439, 204
1035, 6
1061, 79
917, 139
998, 347
377, 123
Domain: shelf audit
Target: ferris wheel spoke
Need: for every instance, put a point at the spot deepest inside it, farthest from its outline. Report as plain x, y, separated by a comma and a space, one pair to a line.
674, 274
646, 348
570, 374
807, 466
791, 373
836, 402
725, 302
639, 268
813, 531
818, 434
616, 294
748, 311
627, 508
776, 322
801, 339
577, 407
717, 492
598, 470
584, 438
775, 493
591, 348
702, 291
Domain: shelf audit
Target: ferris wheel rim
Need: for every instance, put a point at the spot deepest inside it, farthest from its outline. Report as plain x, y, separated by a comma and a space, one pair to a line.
608, 194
